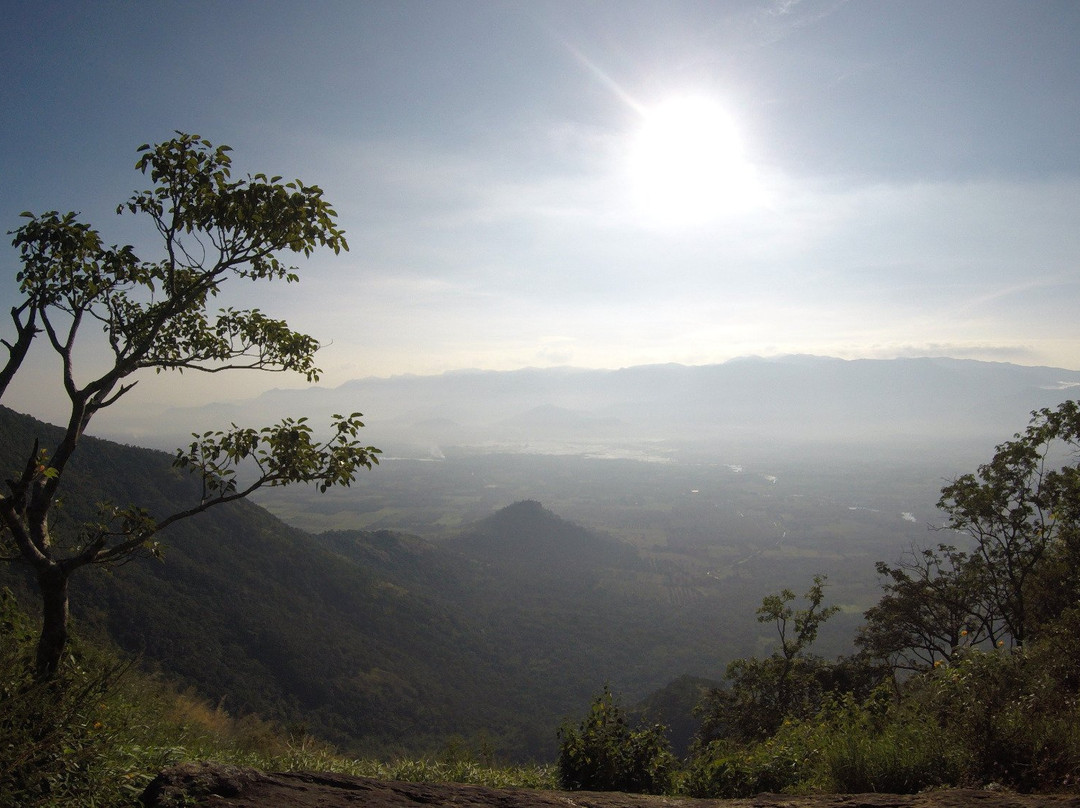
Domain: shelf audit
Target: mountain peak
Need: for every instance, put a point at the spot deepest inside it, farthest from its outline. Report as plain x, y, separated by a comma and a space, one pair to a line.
529, 535
526, 507
527, 516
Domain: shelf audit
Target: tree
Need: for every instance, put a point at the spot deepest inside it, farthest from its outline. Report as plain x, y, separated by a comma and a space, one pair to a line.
934, 603
765, 691
1021, 513
777, 609
156, 315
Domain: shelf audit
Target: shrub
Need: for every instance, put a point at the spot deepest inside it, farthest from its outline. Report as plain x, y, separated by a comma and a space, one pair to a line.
55, 734
876, 746
848, 746
1011, 713
729, 770
604, 754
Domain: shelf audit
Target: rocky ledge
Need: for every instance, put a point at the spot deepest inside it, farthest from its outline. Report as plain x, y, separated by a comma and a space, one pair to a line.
206, 784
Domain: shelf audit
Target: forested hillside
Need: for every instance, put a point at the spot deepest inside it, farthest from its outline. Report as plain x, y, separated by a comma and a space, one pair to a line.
388, 643
264, 617
381, 641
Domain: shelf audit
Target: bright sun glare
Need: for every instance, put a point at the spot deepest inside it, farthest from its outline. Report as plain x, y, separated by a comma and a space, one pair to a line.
688, 165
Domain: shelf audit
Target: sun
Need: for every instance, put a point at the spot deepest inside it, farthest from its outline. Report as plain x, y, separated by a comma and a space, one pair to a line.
687, 163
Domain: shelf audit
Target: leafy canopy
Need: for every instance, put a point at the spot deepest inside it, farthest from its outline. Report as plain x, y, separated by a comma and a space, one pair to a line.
157, 315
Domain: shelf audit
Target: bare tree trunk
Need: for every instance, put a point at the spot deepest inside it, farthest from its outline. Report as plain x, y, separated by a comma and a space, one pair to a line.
53, 582
17, 351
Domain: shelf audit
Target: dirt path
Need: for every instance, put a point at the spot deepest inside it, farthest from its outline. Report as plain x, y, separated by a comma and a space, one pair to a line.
197, 784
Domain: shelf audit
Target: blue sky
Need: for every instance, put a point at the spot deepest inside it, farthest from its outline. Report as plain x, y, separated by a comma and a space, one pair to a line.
886, 178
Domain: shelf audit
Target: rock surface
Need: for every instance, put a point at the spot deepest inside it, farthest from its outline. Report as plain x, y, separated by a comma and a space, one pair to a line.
203, 784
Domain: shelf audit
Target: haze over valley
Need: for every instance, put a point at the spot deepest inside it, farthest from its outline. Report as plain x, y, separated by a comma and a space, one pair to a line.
667, 322
767, 469
752, 408
564, 551
610, 449
738, 479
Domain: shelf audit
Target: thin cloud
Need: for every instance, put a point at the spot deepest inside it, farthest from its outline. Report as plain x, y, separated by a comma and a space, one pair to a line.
782, 18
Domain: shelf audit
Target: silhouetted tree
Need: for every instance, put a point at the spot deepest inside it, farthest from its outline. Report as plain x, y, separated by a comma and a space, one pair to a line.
1022, 513
762, 692
934, 603
157, 315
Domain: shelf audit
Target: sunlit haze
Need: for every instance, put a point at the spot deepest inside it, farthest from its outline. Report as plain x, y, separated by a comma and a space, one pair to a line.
534, 184
688, 164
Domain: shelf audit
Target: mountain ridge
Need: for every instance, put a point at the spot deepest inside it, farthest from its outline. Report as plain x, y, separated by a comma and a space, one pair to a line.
770, 404
780, 359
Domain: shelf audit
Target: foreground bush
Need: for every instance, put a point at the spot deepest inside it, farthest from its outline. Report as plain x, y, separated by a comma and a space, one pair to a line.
1013, 714
604, 754
849, 746
880, 746
726, 770
62, 740
1005, 716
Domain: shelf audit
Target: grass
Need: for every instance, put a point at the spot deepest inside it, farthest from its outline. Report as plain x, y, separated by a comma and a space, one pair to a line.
101, 732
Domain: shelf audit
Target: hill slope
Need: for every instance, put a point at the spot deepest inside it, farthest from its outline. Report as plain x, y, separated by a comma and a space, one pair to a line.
378, 641
267, 618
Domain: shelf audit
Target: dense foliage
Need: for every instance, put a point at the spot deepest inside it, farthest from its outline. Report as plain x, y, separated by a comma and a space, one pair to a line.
969, 671
604, 753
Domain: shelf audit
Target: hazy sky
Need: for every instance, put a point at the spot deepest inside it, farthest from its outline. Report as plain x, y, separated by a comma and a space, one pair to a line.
598, 184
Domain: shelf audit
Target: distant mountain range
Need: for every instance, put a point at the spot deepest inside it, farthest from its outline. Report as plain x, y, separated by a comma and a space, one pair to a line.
804, 403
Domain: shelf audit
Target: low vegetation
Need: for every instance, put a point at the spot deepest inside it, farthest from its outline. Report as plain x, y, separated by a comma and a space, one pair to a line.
100, 731
968, 672
1005, 716
604, 753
